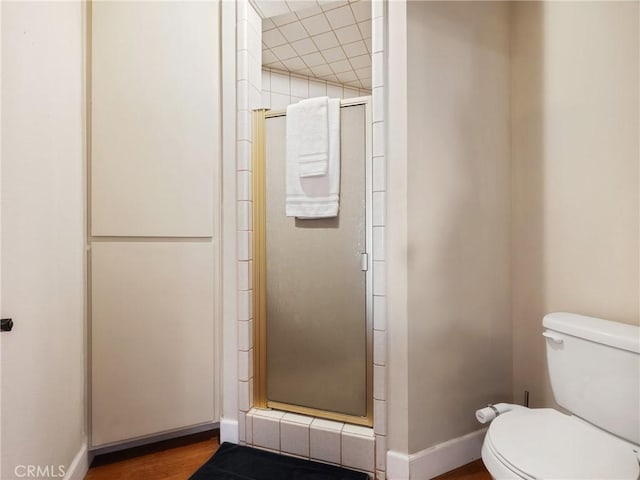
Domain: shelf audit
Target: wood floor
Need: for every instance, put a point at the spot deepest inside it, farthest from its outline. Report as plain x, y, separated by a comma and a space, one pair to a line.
471, 471
172, 460
178, 459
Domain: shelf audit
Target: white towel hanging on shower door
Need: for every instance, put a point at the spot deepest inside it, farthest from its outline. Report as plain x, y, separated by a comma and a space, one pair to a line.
318, 195
308, 133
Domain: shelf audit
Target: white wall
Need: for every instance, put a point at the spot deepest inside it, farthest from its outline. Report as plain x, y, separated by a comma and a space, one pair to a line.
458, 204
280, 89
43, 234
575, 171
229, 428
396, 120
249, 80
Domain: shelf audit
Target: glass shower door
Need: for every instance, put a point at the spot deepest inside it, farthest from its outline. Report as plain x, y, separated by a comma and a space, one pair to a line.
316, 295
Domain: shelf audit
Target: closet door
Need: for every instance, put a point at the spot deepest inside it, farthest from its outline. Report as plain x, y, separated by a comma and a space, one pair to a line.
154, 116
154, 122
152, 326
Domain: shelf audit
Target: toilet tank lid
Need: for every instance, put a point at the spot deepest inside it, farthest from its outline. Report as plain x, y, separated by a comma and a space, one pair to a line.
606, 332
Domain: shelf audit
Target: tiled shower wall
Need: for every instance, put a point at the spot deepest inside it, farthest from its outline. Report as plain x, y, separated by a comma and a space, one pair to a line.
280, 89
249, 97
332, 442
378, 62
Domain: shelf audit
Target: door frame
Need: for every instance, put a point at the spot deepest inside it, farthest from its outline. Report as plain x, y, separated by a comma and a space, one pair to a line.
1, 77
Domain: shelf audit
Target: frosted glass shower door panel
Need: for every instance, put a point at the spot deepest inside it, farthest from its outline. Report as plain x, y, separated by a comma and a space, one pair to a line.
316, 292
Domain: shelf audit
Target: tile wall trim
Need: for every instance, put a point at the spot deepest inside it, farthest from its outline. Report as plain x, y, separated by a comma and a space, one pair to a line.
337, 443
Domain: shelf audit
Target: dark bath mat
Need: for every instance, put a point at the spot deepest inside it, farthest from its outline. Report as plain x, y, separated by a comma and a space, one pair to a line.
235, 462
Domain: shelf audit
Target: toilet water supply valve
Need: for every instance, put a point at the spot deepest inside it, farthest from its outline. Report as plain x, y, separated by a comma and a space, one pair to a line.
485, 415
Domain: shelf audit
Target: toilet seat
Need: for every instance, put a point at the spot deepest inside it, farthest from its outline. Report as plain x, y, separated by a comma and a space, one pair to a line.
498, 467
546, 444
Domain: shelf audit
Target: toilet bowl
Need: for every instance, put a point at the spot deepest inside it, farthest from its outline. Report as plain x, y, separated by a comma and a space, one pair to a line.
547, 444
594, 367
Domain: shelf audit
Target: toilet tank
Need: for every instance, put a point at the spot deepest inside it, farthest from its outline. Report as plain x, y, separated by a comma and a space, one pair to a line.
594, 367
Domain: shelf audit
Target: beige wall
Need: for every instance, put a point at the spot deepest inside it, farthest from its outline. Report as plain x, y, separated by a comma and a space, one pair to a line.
396, 122
459, 325
523, 197
575, 171
42, 359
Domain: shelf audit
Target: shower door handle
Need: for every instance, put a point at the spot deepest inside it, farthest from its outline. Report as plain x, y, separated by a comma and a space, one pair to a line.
364, 259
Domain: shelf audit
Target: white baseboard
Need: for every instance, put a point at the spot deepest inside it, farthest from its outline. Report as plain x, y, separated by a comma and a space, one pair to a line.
397, 466
153, 438
446, 456
79, 465
436, 460
228, 430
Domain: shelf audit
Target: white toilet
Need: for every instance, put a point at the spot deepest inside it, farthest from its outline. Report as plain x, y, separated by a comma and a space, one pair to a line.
594, 367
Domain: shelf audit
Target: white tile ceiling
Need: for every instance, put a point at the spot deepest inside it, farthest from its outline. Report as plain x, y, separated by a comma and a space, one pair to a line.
327, 40
273, 8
